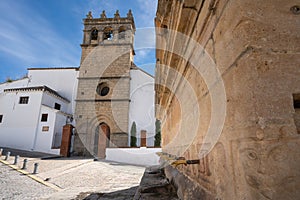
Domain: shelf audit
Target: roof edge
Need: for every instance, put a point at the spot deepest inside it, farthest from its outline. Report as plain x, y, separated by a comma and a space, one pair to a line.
52, 68
134, 67
38, 88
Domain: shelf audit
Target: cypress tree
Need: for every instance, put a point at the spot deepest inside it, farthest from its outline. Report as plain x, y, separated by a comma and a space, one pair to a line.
133, 135
157, 136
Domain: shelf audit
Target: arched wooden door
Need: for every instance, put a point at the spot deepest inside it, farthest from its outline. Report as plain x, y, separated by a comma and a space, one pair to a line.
104, 128
102, 140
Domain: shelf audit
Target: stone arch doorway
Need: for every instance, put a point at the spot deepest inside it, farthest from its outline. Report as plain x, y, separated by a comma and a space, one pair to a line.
102, 140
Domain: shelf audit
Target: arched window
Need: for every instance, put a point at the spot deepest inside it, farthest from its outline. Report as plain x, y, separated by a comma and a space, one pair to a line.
94, 34
108, 33
122, 32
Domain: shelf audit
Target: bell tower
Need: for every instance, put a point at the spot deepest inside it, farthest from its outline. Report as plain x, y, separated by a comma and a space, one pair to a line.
103, 96
105, 31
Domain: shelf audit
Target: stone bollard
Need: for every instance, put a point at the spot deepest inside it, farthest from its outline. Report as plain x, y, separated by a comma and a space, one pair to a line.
7, 155
1, 151
25, 164
35, 170
16, 159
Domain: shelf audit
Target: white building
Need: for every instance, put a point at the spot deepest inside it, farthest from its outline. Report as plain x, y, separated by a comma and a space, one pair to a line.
34, 109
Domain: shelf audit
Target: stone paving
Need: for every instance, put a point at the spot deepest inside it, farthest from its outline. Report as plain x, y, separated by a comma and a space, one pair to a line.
14, 185
71, 178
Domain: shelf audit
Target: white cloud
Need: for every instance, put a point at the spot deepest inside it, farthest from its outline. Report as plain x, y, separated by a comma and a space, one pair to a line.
145, 38
147, 11
142, 55
30, 37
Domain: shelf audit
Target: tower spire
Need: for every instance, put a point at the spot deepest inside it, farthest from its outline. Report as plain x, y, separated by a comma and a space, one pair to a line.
117, 14
103, 15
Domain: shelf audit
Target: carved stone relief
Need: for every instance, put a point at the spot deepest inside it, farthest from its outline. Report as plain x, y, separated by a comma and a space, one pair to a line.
269, 168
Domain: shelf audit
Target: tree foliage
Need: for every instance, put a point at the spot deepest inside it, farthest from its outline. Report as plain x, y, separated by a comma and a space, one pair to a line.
157, 136
133, 135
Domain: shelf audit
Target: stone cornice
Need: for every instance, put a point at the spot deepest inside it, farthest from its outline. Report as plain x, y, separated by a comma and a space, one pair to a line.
106, 77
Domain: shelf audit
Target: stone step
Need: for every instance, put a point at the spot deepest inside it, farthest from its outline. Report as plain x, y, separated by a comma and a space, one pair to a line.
154, 185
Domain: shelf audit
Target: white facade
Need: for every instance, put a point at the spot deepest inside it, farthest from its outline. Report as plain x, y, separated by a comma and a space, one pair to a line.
62, 80
22, 126
141, 109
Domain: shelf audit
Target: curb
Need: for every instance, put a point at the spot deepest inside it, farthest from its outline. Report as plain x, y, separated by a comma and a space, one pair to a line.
33, 177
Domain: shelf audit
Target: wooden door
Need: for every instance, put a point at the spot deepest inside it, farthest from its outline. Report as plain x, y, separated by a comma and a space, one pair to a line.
143, 138
103, 140
66, 140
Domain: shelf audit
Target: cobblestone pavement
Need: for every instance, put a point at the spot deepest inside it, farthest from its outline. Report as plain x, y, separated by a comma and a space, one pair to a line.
14, 185
70, 176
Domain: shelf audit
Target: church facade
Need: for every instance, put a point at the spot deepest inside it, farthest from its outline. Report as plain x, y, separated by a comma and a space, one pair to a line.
112, 92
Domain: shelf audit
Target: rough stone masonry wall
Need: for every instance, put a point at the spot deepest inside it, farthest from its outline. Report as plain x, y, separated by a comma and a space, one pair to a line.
109, 64
255, 45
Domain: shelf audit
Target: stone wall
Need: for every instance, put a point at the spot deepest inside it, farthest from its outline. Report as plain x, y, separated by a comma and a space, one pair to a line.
105, 63
249, 65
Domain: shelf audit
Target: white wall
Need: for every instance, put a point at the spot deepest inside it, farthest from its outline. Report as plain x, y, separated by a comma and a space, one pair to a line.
43, 142
21, 127
50, 100
137, 156
19, 123
141, 108
56, 121
63, 81
15, 84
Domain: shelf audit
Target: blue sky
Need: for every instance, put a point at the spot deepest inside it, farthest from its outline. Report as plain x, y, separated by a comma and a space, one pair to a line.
48, 33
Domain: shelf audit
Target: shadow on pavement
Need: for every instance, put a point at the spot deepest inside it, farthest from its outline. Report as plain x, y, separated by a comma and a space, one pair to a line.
23, 153
118, 195
42, 156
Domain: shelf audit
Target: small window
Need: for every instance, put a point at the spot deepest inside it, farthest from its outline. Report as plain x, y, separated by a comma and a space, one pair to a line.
24, 100
45, 128
57, 106
1, 117
44, 118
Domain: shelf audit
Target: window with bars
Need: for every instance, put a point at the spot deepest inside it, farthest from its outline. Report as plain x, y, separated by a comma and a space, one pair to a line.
24, 100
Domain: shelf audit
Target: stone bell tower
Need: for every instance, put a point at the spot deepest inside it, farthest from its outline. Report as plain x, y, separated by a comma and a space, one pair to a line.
103, 96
